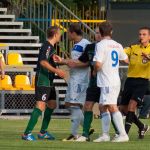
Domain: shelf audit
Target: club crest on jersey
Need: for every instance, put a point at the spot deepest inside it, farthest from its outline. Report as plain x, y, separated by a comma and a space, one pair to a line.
48, 51
145, 60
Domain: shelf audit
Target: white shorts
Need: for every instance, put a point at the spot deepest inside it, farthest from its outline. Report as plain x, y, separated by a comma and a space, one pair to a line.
109, 95
76, 92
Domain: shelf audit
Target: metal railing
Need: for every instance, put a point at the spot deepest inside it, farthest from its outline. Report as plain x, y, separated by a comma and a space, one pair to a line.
40, 15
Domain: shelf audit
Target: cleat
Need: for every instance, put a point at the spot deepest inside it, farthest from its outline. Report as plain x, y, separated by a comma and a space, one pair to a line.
143, 131
115, 136
91, 131
28, 137
70, 138
121, 138
46, 135
103, 138
82, 139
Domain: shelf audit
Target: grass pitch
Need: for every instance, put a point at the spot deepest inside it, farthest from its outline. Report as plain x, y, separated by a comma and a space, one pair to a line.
11, 130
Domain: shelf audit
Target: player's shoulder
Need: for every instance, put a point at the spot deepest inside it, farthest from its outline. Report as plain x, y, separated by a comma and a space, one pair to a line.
46, 45
90, 46
85, 41
134, 45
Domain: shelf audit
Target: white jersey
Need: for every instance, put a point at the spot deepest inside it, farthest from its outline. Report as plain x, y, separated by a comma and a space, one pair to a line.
79, 77
79, 74
109, 52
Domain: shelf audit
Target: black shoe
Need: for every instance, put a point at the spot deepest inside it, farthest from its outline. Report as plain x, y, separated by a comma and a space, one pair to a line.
91, 131
70, 138
143, 131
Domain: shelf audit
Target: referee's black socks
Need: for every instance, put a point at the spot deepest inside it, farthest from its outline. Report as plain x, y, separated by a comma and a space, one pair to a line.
129, 120
132, 118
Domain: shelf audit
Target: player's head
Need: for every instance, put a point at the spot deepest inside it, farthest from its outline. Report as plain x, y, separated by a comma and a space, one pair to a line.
97, 34
54, 33
105, 29
74, 31
144, 35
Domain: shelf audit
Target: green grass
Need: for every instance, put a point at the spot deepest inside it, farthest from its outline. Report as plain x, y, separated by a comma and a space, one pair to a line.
11, 130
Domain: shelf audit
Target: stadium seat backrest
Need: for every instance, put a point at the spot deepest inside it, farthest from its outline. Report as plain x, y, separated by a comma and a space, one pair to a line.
6, 82
22, 81
15, 59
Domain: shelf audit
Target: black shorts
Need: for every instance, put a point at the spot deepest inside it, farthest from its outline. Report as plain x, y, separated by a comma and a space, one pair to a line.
45, 93
134, 88
93, 94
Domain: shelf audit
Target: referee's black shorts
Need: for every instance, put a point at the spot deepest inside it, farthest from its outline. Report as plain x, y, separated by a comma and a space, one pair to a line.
135, 89
93, 94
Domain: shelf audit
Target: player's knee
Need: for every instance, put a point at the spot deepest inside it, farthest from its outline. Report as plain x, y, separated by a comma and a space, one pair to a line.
132, 105
88, 106
52, 104
41, 105
113, 108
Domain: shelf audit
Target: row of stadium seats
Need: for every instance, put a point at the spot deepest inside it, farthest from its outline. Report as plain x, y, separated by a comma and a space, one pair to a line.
14, 59
21, 82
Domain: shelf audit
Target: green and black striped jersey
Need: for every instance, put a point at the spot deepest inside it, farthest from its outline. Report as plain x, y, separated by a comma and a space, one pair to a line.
43, 76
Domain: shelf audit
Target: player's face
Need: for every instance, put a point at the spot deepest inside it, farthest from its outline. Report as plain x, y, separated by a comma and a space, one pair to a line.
97, 35
70, 35
58, 35
144, 36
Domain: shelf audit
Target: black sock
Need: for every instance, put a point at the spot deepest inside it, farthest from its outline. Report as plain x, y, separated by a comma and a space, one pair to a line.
138, 123
129, 120
114, 126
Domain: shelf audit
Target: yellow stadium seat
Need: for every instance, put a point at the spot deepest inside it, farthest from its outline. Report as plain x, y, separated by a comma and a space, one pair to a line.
22, 82
6, 83
15, 59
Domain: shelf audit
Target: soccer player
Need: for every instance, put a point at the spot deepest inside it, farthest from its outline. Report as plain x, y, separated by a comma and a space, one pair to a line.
2, 67
78, 82
108, 54
44, 89
93, 92
136, 83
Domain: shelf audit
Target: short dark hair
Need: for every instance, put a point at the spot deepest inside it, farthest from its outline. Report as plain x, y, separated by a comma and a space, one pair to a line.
105, 29
75, 27
145, 28
51, 31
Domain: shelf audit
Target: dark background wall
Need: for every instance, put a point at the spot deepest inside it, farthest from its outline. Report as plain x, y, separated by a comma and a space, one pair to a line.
126, 23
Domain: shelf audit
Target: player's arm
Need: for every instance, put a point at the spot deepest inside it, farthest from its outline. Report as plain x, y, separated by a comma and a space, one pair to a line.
83, 60
98, 58
124, 54
44, 63
77, 63
59, 60
49, 67
2, 68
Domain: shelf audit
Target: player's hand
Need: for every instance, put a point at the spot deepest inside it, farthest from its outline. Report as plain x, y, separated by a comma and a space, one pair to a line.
60, 73
146, 56
71, 64
57, 58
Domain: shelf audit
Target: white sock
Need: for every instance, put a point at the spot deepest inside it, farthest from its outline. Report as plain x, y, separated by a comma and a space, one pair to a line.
118, 120
106, 120
76, 119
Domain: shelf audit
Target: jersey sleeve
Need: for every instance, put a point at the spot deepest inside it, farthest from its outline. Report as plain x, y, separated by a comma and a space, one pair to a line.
127, 51
99, 53
122, 55
84, 57
42, 53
